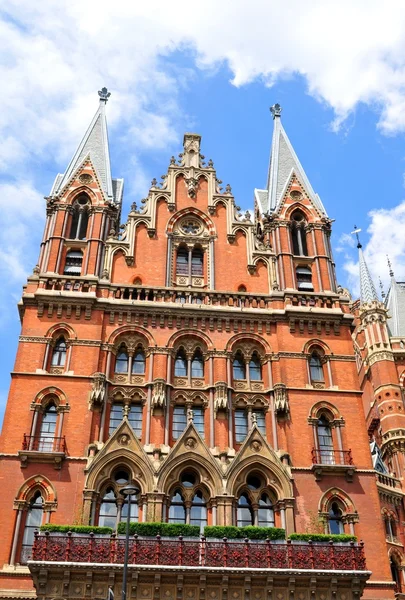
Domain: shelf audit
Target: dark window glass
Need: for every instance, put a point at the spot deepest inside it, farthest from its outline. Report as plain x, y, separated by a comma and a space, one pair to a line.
182, 261
108, 510
188, 479
255, 369
116, 416
121, 362
121, 477
179, 421
241, 425
180, 365
254, 482
32, 522
335, 519
73, 263
59, 353
138, 363
239, 367
82, 230
197, 262
197, 365
265, 514
177, 510
135, 418
315, 367
47, 432
244, 512
198, 511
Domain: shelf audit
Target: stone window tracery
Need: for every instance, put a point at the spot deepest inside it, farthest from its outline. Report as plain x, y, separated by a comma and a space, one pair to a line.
112, 506
188, 502
254, 505
80, 218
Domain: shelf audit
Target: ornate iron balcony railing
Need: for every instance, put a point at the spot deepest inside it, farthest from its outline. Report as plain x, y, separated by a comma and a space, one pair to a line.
328, 456
43, 443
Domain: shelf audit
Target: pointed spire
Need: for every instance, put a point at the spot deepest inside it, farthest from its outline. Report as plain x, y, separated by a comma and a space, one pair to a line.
283, 163
367, 289
94, 145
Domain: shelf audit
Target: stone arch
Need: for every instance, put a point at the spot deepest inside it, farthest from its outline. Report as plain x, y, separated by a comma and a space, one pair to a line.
298, 206
250, 339
191, 211
169, 477
272, 470
34, 484
55, 393
100, 472
175, 340
61, 329
397, 555
127, 330
336, 494
316, 344
323, 407
83, 190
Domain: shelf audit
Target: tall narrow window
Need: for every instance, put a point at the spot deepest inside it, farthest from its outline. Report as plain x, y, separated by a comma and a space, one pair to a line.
59, 353
244, 511
133, 515
73, 263
182, 261
180, 364
179, 421
80, 219
138, 362
241, 425
121, 362
298, 234
135, 418
325, 442
335, 519
177, 510
198, 419
108, 509
47, 430
197, 262
198, 510
239, 367
197, 365
255, 369
315, 367
116, 416
265, 514
32, 522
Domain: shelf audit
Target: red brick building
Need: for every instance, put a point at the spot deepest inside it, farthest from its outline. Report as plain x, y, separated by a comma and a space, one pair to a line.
211, 358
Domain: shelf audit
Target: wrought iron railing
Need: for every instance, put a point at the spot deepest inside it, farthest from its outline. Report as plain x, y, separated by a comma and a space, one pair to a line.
199, 552
41, 443
324, 455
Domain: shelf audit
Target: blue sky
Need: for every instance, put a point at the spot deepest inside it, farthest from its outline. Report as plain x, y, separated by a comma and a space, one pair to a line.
214, 71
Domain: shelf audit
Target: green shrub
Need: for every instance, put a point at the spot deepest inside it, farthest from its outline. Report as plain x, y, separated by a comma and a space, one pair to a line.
252, 533
164, 529
76, 529
323, 537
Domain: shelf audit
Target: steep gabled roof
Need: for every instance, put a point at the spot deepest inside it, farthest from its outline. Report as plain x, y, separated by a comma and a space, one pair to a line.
367, 289
395, 303
284, 163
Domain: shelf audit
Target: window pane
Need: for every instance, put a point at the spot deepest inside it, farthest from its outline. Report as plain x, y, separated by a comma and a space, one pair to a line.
255, 370
108, 510
239, 368
135, 418
182, 261
116, 416
33, 521
198, 511
134, 510
59, 354
265, 512
198, 419
315, 367
138, 363
260, 421
197, 366
121, 362
180, 366
177, 511
179, 421
241, 425
47, 432
197, 262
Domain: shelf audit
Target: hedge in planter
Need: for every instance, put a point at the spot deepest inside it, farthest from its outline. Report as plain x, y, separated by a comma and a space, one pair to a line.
164, 529
76, 529
250, 532
323, 537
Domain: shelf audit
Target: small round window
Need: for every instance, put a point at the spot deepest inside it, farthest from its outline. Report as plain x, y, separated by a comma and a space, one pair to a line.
190, 227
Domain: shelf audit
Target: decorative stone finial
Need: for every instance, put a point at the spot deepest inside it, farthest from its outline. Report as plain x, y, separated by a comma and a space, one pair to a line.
104, 94
356, 233
276, 110
390, 266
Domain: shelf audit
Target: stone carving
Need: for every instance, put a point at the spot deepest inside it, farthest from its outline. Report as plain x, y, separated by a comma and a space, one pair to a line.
221, 396
281, 404
98, 390
158, 393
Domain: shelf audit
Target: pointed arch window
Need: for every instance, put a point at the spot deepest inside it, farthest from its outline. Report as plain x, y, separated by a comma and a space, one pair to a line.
244, 511
47, 429
73, 262
32, 522
197, 365
265, 512
121, 362
198, 510
239, 366
325, 441
80, 218
180, 364
108, 509
182, 261
138, 362
298, 235
316, 368
335, 519
177, 509
255, 368
197, 262
59, 353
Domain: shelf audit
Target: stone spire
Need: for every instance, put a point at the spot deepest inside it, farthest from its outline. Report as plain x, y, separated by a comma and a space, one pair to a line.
283, 164
94, 145
367, 289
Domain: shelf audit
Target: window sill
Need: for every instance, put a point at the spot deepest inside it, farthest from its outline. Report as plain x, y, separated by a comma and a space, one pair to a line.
320, 470
35, 456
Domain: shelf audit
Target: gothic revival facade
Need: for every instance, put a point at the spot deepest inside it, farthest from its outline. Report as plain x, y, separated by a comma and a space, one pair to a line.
211, 358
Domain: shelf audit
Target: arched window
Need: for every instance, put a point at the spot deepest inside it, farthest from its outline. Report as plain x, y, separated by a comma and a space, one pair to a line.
255, 369
325, 441
121, 362
47, 429
304, 279
59, 353
244, 511
73, 262
390, 528
177, 510
80, 219
180, 364
182, 261
315, 367
198, 510
395, 573
239, 367
197, 262
138, 362
32, 522
335, 519
299, 241
197, 365
265, 513
108, 509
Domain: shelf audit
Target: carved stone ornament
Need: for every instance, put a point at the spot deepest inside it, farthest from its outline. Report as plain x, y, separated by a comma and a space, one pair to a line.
158, 393
98, 389
190, 442
85, 178
255, 445
221, 396
124, 439
281, 404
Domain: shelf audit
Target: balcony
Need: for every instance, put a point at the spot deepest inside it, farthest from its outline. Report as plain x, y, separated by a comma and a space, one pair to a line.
42, 449
326, 460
